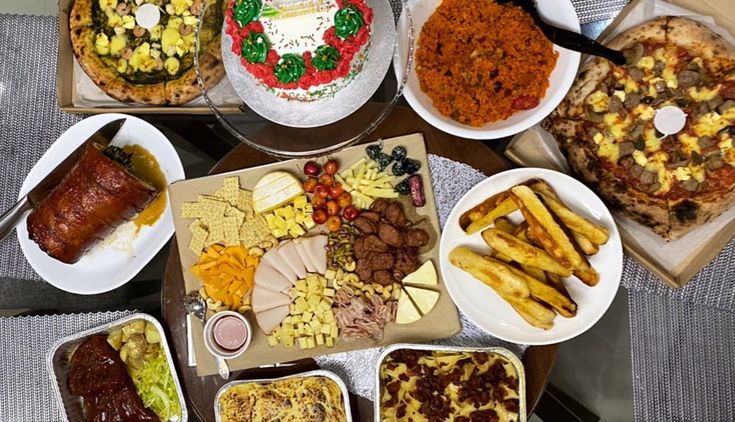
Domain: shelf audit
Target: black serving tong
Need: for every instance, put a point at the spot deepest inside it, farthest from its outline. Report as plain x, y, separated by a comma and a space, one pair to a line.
568, 39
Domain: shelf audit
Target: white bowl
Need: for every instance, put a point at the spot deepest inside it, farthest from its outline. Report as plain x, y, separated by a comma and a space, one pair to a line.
487, 309
124, 253
215, 348
558, 12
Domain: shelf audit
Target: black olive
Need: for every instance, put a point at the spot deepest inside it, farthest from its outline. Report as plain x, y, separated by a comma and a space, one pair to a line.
647, 100
412, 166
403, 188
383, 161
373, 151
399, 168
399, 153
640, 144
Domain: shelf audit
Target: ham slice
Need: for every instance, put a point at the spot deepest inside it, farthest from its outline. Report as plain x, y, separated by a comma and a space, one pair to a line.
275, 260
288, 253
269, 278
270, 320
301, 250
264, 299
315, 250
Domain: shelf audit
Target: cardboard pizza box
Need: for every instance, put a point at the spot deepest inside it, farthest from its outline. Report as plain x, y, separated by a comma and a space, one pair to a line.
66, 83
676, 262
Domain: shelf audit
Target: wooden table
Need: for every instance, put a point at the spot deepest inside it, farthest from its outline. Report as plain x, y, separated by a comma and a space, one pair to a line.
200, 391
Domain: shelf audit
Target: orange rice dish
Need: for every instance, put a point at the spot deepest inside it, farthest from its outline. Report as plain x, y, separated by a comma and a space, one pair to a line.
481, 62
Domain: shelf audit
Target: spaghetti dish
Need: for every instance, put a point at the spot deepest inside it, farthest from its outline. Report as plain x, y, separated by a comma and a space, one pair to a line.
433, 386
481, 62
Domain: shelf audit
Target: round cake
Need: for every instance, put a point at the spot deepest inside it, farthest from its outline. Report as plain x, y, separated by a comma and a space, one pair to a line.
300, 50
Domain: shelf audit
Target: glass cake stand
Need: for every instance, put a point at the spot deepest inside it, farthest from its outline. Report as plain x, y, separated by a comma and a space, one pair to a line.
368, 103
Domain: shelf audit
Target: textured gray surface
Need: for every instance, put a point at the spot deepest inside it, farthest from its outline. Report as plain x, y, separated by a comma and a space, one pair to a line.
26, 393
450, 180
597, 10
682, 353
30, 120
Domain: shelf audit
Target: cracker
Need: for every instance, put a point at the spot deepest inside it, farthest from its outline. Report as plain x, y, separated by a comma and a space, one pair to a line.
231, 189
198, 239
230, 229
244, 202
231, 211
191, 210
216, 231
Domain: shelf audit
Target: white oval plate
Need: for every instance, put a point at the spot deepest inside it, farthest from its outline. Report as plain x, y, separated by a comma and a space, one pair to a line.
106, 266
558, 12
486, 309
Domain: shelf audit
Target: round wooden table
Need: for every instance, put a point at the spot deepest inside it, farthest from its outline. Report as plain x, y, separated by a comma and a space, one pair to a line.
200, 391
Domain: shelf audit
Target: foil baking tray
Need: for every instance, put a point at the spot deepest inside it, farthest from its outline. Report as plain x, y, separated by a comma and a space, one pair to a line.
507, 354
316, 373
57, 363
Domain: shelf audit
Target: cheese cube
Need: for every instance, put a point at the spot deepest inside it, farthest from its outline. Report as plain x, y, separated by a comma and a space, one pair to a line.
310, 342
330, 342
272, 341
326, 329
288, 341
334, 331
319, 339
328, 292
302, 343
306, 316
301, 285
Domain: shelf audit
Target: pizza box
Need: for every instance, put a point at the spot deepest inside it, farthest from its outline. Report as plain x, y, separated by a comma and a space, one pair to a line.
675, 262
441, 322
67, 71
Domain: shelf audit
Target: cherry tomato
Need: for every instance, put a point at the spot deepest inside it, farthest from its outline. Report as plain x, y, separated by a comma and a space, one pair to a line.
311, 168
318, 201
525, 102
321, 190
310, 184
331, 167
334, 223
320, 215
326, 180
350, 213
336, 190
344, 199
333, 208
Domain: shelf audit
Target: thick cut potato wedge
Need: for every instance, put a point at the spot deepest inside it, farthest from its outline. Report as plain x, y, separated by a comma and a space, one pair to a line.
486, 212
595, 233
545, 229
547, 294
585, 244
492, 272
533, 312
507, 226
522, 252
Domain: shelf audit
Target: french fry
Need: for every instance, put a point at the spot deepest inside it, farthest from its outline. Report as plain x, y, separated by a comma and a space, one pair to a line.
486, 212
533, 312
585, 244
586, 273
522, 252
595, 233
545, 229
492, 272
545, 293
502, 223
536, 273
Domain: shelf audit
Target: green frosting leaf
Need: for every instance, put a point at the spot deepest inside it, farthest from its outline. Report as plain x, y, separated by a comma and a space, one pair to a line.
347, 22
290, 68
325, 57
255, 47
247, 11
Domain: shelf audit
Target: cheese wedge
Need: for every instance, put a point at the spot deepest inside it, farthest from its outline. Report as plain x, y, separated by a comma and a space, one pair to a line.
274, 190
426, 275
425, 299
406, 312
288, 253
269, 278
301, 250
263, 299
275, 260
269, 320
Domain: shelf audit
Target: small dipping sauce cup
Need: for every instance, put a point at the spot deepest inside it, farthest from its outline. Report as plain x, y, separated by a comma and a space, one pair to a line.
227, 334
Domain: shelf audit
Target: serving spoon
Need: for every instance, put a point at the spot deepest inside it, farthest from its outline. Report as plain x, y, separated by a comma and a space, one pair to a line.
566, 38
195, 305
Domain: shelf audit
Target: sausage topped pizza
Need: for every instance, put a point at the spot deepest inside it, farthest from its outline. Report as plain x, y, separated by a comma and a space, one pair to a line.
605, 126
153, 66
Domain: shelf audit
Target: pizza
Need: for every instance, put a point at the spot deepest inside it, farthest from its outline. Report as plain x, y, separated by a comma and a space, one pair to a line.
605, 126
153, 66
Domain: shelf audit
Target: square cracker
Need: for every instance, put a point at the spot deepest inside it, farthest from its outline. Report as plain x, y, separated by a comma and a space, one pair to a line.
198, 238
231, 232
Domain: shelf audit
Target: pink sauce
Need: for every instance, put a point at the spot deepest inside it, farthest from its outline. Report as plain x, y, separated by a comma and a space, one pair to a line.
230, 333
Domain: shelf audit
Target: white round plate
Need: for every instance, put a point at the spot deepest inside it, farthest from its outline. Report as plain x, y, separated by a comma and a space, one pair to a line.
110, 264
486, 309
559, 12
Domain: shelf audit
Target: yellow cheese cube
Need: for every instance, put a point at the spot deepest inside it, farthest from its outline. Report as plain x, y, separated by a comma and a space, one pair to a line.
310, 342
330, 342
326, 329
319, 339
302, 343
272, 341
307, 316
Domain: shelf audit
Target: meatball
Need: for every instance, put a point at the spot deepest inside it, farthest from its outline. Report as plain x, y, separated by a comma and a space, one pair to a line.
394, 214
379, 205
373, 243
417, 238
383, 277
364, 225
390, 235
407, 260
371, 215
382, 261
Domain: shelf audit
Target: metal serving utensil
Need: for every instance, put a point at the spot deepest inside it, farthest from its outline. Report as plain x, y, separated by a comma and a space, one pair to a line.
568, 39
195, 305
12, 217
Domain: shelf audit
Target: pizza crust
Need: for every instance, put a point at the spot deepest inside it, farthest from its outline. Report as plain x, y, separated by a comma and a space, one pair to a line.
651, 31
80, 14
688, 214
573, 105
718, 54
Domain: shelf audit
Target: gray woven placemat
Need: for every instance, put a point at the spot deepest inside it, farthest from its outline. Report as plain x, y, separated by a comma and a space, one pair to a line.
597, 10
26, 394
683, 364
30, 119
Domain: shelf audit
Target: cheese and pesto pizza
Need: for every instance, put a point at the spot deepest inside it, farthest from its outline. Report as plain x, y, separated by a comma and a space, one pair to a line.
609, 129
143, 50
